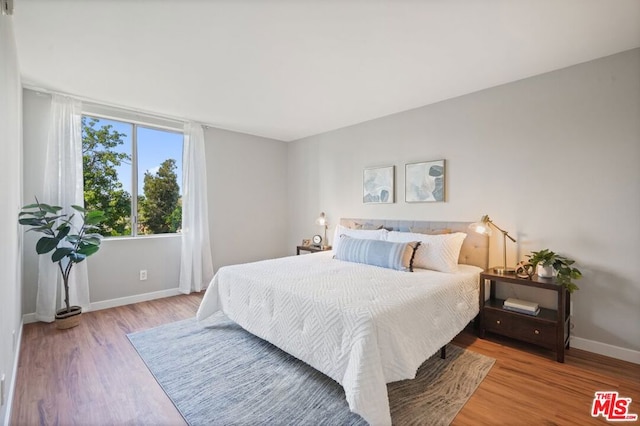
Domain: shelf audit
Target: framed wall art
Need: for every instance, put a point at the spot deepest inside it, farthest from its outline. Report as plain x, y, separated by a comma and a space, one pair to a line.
424, 182
378, 185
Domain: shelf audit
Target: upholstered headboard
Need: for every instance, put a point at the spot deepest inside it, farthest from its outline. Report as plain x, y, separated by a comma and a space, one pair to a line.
474, 251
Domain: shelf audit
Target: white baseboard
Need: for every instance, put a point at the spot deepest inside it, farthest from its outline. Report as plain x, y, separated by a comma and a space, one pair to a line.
121, 301
29, 318
14, 375
605, 349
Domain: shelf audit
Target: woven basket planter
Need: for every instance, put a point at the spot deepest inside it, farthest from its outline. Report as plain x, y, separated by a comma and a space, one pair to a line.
66, 319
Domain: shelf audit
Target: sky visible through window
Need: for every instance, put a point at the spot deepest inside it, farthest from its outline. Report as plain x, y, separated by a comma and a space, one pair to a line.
154, 147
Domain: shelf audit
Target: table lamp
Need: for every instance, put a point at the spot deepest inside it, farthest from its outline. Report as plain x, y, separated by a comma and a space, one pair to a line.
484, 227
322, 221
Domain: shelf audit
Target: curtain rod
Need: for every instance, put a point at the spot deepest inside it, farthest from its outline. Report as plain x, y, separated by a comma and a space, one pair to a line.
181, 120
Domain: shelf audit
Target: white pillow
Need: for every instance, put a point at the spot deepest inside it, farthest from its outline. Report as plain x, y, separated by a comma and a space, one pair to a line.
437, 252
377, 234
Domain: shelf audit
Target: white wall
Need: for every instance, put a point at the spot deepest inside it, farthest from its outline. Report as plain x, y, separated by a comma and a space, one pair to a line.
114, 272
553, 159
36, 112
246, 183
11, 196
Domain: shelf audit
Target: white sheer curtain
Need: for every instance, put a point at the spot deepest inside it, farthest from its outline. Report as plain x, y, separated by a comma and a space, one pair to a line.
63, 186
196, 268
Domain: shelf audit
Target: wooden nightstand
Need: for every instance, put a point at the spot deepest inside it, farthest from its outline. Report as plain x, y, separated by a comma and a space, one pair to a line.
549, 329
311, 249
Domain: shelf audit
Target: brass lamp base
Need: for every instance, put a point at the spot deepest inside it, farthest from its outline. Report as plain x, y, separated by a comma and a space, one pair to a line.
501, 270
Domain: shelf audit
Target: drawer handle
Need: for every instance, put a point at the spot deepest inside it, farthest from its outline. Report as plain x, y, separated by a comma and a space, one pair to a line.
536, 331
498, 322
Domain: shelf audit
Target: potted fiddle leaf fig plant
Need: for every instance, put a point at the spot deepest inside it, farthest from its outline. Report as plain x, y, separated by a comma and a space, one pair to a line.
548, 263
70, 245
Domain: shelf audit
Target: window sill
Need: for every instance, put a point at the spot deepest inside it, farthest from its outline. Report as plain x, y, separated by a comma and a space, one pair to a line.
142, 237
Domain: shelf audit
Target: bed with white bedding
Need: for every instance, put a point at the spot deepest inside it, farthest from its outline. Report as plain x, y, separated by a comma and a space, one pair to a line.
362, 325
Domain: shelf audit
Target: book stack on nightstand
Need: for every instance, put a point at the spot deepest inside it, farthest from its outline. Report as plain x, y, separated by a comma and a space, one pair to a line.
521, 306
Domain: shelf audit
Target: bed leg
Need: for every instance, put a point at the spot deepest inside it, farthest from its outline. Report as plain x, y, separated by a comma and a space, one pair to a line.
443, 352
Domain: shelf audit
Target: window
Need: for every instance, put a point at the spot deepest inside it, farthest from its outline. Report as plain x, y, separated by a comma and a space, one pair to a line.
130, 167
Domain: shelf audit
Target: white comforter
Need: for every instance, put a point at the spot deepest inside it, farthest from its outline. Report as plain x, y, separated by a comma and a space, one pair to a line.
361, 325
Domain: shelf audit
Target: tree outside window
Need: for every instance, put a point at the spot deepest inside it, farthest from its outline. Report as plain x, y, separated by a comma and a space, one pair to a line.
118, 182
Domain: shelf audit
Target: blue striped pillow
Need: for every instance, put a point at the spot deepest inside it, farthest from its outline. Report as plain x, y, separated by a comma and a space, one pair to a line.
384, 254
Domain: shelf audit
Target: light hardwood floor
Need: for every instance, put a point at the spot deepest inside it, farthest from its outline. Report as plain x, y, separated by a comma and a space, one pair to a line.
91, 375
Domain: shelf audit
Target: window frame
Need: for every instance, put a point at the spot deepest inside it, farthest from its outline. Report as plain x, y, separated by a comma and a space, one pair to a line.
136, 120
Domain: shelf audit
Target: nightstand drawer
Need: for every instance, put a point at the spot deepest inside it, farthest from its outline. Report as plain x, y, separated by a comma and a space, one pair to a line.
519, 327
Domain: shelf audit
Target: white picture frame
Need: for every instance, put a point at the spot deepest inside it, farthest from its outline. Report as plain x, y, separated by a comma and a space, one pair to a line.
378, 185
425, 182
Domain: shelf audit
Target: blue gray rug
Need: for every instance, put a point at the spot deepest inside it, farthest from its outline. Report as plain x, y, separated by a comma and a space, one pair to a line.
218, 374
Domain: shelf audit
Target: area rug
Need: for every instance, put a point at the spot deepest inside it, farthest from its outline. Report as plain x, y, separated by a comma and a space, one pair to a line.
218, 374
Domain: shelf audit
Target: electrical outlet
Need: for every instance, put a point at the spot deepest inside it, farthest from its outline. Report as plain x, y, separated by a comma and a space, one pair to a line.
143, 274
571, 308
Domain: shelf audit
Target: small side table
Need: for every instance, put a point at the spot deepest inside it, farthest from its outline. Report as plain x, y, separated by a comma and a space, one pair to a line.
311, 249
549, 329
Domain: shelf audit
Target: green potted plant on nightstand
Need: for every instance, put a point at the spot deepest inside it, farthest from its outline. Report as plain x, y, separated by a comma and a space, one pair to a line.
69, 244
548, 263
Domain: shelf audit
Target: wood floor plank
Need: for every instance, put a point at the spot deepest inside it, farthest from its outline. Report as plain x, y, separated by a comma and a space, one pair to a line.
527, 386
92, 375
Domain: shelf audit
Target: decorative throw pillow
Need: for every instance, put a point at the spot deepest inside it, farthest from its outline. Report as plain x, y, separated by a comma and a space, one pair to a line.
378, 234
398, 256
436, 252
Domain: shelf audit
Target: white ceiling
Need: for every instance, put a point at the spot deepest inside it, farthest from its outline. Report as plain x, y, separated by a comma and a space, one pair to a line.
290, 69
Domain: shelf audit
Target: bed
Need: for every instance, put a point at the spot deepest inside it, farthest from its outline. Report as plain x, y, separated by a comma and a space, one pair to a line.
362, 325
